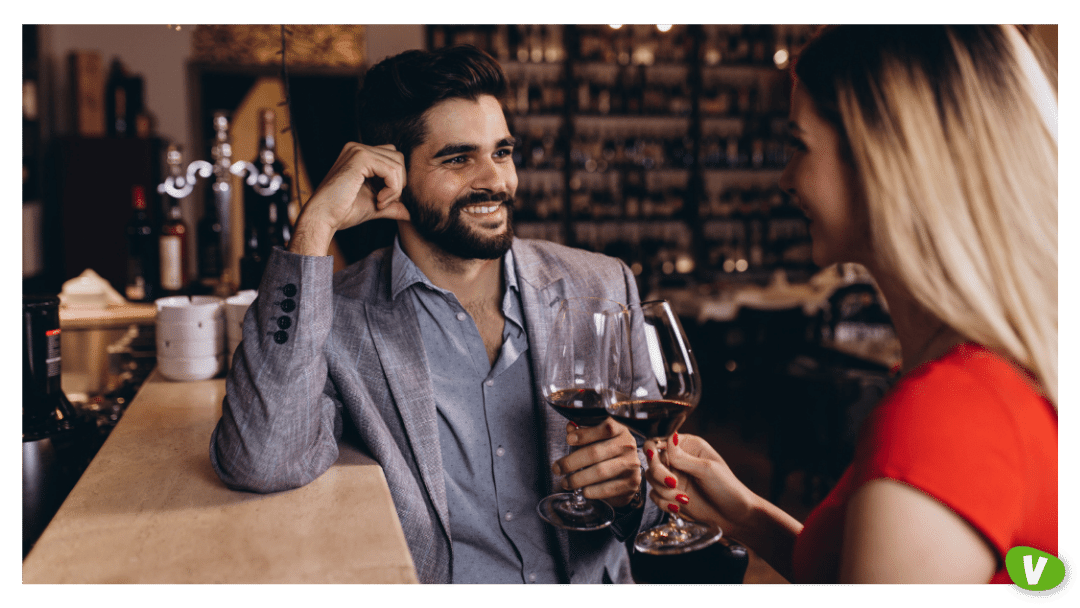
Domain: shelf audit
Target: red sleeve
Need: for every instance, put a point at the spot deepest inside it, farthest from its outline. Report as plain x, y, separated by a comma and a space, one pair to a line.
948, 432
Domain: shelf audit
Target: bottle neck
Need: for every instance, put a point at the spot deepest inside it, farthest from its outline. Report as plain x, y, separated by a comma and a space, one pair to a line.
174, 212
267, 155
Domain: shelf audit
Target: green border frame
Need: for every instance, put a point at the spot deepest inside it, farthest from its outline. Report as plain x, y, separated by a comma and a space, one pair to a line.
562, 11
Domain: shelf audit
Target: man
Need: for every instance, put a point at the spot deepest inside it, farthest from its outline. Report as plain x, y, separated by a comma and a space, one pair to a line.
431, 348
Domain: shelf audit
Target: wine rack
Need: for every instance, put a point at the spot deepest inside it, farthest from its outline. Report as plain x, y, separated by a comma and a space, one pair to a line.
662, 147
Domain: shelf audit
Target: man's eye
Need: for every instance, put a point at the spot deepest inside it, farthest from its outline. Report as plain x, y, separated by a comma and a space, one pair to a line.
796, 143
504, 152
456, 160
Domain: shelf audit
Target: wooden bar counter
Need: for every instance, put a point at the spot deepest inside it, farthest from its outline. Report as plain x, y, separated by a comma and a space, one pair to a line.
150, 509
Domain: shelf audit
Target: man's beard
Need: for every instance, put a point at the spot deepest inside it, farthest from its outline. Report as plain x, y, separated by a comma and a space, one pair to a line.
452, 235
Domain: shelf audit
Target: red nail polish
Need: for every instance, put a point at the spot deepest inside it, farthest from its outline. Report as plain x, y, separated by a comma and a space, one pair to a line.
648, 455
670, 481
675, 439
674, 508
683, 498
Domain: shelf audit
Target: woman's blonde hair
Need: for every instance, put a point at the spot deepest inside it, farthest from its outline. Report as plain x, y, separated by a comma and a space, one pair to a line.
952, 131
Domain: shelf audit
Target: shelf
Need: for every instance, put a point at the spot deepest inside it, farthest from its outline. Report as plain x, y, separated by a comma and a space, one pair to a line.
631, 123
624, 137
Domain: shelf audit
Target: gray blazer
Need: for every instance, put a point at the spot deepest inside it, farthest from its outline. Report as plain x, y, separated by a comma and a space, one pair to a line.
349, 351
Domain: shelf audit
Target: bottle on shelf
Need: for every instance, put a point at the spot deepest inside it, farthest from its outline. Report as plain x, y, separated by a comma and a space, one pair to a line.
123, 101
172, 239
142, 250
266, 206
213, 233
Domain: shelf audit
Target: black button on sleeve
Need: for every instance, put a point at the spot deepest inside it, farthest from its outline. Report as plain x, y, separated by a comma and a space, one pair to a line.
281, 337
284, 322
289, 290
288, 305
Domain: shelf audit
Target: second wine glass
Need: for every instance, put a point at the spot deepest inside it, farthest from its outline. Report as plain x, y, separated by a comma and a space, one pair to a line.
656, 387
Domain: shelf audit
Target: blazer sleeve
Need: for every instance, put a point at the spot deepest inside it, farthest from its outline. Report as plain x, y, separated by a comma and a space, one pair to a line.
281, 418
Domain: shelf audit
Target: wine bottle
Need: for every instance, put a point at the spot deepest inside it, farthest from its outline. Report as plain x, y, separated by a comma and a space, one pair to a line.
172, 239
46, 410
266, 206
123, 101
142, 252
213, 228
55, 436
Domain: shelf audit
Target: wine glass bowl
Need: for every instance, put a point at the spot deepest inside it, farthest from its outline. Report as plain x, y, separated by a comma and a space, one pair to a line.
577, 371
654, 388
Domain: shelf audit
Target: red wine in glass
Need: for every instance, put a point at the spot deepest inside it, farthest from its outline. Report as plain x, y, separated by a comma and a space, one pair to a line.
582, 406
651, 417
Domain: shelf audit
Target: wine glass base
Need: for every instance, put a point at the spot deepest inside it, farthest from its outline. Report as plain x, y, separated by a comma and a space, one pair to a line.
670, 538
559, 511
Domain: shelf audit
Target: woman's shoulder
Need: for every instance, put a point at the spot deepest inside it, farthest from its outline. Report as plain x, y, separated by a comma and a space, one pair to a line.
968, 377
966, 401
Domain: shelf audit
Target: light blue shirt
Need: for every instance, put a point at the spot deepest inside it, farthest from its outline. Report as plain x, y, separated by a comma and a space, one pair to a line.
488, 432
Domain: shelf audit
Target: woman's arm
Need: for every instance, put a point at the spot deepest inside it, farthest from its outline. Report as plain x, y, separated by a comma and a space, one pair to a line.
894, 533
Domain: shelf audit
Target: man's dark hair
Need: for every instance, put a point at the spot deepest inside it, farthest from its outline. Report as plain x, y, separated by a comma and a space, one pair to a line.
398, 90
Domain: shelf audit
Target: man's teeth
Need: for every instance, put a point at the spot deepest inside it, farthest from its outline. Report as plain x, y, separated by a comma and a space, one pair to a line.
482, 210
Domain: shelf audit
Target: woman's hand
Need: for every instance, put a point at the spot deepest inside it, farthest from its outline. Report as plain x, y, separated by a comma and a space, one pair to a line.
688, 477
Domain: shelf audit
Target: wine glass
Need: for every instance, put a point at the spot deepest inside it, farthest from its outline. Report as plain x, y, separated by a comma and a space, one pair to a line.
577, 367
656, 387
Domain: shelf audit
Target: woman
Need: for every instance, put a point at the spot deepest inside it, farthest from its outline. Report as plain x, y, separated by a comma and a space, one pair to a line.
929, 155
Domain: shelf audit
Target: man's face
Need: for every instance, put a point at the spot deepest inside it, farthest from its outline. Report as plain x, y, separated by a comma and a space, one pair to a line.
461, 179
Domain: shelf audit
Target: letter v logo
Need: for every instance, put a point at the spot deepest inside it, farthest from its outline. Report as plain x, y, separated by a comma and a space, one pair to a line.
1033, 574
1034, 570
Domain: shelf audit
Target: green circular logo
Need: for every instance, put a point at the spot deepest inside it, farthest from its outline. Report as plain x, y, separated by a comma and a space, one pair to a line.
1034, 570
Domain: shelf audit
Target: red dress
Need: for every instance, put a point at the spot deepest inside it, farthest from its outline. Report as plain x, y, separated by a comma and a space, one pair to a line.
967, 430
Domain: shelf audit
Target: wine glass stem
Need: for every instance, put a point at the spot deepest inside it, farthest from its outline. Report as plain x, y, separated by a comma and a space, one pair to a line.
579, 498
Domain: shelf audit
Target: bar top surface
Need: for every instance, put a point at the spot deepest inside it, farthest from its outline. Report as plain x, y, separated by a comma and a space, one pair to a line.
150, 509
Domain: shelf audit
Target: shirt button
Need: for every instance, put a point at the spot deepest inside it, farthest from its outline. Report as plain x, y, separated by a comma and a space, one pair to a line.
461, 316
508, 516
490, 383
500, 451
532, 577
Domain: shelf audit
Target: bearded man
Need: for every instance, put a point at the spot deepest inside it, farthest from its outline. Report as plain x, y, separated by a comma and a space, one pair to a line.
429, 351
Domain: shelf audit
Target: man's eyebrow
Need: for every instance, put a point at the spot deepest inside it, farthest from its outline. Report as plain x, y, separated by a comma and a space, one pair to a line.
454, 149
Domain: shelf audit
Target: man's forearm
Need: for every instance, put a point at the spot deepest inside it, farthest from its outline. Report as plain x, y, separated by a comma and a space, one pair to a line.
312, 237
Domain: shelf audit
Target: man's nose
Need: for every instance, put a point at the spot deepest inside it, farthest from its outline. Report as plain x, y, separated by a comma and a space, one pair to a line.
495, 177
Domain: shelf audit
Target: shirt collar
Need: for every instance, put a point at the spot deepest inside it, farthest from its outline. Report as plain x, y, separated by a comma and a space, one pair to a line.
404, 273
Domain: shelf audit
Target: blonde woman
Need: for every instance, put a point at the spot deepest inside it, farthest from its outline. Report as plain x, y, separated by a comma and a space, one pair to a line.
929, 155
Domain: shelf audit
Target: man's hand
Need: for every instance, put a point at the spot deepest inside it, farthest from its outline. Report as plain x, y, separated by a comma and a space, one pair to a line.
365, 183
605, 462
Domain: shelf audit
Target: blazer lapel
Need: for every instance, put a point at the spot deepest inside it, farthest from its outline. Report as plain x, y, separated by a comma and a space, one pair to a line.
542, 290
396, 334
